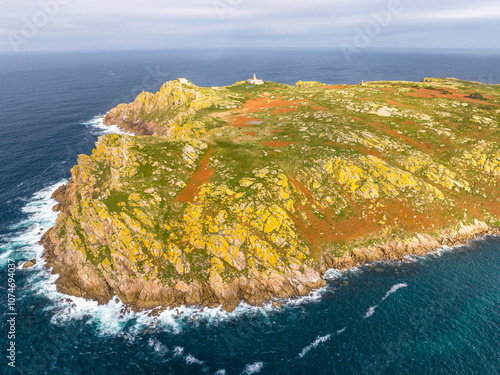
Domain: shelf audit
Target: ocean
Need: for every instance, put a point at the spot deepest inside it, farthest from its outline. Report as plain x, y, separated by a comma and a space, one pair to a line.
438, 314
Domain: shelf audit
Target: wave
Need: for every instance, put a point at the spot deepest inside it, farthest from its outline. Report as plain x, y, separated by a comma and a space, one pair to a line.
314, 344
313, 296
334, 273
98, 128
157, 346
253, 368
22, 243
319, 340
370, 312
190, 360
177, 351
394, 288
441, 251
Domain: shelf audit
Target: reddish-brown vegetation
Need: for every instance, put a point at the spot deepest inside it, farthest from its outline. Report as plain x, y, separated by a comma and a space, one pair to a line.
203, 174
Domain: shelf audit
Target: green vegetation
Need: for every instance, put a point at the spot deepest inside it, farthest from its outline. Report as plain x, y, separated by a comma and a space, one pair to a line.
478, 96
269, 178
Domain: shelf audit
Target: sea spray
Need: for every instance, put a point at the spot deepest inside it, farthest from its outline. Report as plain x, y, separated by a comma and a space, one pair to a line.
22, 243
97, 127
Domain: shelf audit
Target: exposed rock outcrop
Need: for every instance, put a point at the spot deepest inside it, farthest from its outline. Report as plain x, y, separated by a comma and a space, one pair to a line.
420, 245
200, 211
30, 263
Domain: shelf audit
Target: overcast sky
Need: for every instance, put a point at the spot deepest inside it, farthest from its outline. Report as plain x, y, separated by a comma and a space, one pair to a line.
28, 25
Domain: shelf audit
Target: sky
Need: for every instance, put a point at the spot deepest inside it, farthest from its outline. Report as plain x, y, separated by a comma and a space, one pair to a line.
39, 25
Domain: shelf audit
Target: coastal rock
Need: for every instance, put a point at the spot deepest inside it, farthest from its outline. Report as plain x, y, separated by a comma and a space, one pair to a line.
29, 263
198, 210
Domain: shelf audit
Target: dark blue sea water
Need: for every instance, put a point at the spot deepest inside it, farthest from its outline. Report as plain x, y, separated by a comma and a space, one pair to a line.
436, 315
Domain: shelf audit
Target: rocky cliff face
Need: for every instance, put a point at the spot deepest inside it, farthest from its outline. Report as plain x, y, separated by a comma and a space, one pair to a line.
172, 112
248, 194
123, 230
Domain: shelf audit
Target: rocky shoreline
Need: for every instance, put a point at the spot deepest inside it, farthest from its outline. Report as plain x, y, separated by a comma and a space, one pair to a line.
77, 278
420, 245
135, 126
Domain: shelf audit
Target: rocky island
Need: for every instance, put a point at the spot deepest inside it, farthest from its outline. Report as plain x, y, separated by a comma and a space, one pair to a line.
251, 192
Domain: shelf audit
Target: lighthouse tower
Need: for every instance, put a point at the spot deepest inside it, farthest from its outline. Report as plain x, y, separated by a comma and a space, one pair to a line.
255, 80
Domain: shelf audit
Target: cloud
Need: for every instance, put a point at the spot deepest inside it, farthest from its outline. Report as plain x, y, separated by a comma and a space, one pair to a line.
99, 24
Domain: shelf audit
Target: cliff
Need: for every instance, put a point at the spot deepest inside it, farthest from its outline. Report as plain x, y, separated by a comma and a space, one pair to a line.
252, 193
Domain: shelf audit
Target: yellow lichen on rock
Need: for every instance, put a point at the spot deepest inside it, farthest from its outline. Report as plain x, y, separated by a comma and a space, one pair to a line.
157, 219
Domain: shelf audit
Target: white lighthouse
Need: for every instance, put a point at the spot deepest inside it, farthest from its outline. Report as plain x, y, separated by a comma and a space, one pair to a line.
255, 81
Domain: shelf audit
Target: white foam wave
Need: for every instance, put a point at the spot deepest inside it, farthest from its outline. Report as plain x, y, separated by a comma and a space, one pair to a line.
220, 372
110, 319
22, 244
319, 340
98, 127
313, 296
370, 312
5, 256
113, 317
157, 346
394, 289
410, 259
253, 368
333, 273
341, 330
440, 252
445, 249
178, 351
190, 360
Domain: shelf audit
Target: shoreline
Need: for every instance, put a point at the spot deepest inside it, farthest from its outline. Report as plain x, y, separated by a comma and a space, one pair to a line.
390, 251
420, 245
196, 310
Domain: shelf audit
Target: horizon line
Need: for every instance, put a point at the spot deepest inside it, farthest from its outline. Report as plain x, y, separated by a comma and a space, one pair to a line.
336, 49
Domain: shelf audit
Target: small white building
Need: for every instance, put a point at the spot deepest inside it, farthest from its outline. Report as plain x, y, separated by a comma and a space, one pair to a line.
255, 81
184, 80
